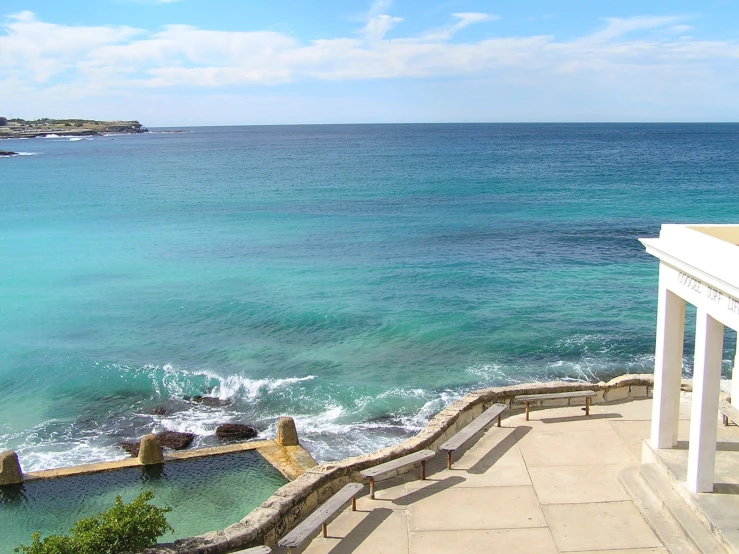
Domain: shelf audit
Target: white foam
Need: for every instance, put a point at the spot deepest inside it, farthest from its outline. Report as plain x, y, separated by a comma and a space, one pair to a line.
75, 139
27, 153
236, 385
51, 455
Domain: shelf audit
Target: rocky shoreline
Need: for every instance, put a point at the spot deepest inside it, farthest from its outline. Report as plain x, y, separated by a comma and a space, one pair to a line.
19, 128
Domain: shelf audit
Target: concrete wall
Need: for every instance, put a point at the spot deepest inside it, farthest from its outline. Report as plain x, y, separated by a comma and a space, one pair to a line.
294, 501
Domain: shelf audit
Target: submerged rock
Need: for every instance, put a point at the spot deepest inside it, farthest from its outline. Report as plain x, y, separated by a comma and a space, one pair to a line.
131, 447
235, 432
173, 440
209, 401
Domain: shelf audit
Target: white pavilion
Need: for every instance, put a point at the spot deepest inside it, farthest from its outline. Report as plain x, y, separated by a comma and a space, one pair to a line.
698, 264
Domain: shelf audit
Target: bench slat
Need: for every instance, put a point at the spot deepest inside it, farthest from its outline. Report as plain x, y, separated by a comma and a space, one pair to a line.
255, 550
398, 463
297, 536
729, 411
477, 425
555, 395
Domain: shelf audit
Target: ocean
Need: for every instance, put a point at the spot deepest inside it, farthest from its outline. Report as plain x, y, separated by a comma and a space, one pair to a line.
356, 277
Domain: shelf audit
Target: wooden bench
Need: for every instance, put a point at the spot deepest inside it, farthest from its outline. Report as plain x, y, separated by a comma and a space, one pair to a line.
420, 456
728, 412
527, 398
255, 550
477, 425
320, 516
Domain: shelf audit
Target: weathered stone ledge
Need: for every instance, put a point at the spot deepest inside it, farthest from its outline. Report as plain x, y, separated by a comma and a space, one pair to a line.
295, 500
291, 461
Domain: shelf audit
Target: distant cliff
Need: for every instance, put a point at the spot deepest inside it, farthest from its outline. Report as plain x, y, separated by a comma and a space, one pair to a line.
17, 128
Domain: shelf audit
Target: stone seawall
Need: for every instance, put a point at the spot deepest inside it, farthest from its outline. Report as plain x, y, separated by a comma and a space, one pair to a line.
294, 501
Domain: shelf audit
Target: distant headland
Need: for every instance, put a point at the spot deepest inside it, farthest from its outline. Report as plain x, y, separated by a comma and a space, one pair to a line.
21, 128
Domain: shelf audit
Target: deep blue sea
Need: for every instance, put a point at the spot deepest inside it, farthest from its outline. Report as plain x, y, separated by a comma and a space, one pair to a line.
356, 277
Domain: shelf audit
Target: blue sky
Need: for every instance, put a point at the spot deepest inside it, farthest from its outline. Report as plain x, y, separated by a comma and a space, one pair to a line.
192, 62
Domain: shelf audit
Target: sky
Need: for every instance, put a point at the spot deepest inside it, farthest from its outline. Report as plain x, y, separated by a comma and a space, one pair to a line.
237, 62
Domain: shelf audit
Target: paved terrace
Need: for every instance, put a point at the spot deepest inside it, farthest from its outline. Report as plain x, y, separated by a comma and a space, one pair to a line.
540, 487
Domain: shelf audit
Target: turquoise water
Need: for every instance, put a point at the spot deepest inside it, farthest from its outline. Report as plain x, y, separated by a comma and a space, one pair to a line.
205, 494
356, 277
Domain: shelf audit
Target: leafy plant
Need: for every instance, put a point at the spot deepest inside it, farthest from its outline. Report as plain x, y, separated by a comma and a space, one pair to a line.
122, 528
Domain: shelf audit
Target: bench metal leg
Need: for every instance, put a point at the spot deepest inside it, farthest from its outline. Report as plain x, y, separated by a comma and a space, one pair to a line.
527, 411
423, 470
372, 488
587, 405
354, 504
449, 459
324, 528
499, 420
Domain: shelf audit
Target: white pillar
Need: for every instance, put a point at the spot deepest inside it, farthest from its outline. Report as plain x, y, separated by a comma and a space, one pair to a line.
709, 342
668, 365
735, 377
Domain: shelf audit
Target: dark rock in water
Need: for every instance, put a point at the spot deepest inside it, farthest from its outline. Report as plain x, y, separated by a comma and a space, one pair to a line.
209, 401
160, 410
6, 153
175, 440
235, 432
131, 447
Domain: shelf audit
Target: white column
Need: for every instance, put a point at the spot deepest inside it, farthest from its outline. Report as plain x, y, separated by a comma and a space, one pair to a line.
735, 377
709, 342
668, 365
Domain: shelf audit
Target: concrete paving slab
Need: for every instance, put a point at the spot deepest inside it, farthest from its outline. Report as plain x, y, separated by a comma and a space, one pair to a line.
560, 420
380, 531
660, 550
544, 486
599, 526
530, 541
636, 410
582, 448
577, 484
495, 461
388, 494
477, 508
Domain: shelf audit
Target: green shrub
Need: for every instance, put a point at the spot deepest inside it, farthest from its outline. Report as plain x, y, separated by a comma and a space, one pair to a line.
122, 528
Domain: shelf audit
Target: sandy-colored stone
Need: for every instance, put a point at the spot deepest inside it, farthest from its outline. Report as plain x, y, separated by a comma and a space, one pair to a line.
493, 461
287, 434
475, 508
660, 550
150, 451
10, 469
528, 541
388, 494
603, 447
577, 484
380, 531
616, 393
599, 526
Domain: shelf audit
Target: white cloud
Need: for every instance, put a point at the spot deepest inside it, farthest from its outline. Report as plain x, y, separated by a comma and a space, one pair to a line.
629, 56
464, 19
378, 26
379, 7
617, 26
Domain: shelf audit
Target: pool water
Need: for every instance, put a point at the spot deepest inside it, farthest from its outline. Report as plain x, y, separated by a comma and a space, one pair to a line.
205, 494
